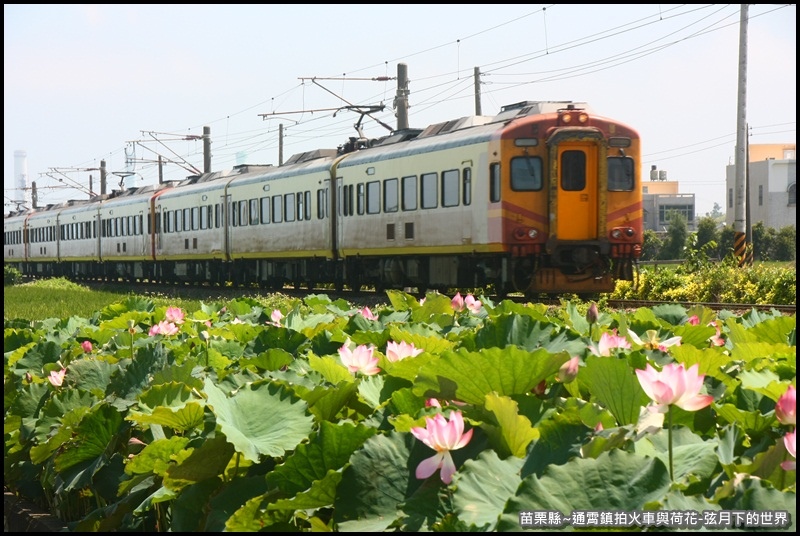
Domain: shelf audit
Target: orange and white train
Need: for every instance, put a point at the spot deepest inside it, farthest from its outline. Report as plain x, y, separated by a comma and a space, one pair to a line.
544, 197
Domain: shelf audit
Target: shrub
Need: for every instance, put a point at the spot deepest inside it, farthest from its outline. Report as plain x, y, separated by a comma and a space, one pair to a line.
11, 276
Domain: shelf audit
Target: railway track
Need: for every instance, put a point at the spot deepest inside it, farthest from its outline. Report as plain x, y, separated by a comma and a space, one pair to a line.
372, 298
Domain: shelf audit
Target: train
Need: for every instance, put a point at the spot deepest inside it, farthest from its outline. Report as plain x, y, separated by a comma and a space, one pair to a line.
544, 197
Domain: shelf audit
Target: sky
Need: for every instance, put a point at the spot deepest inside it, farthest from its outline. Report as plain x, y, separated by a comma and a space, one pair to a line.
127, 83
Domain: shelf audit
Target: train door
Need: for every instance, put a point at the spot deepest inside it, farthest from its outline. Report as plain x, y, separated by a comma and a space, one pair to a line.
578, 199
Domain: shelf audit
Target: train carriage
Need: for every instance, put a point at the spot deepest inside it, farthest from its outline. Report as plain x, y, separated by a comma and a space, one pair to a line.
126, 248
79, 239
41, 236
278, 226
411, 213
189, 230
14, 240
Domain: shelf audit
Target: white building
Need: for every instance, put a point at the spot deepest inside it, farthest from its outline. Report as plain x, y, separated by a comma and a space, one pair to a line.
772, 180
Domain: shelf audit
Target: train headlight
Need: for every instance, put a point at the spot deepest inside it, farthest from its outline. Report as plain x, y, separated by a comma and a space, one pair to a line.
583, 118
566, 118
522, 233
622, 233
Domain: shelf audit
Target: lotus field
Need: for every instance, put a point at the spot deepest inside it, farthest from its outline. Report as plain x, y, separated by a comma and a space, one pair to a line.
448, 413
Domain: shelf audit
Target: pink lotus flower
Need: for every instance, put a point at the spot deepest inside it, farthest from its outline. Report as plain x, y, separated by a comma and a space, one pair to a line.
693, 320
609, 341
718, 339
459, 303
87, 346
674, 385
569, 370
442, 436
56, 378
369, 315
174, 315
786, 407
276, 318
163, 328
396, 352
790, 441
359, 360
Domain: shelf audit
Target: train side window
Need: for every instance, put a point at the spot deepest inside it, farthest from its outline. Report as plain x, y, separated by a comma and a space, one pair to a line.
322, 202
410, 192
526, 174
466, 186
265, 210
450, 188
374, 197
390, 195
429, 190
494, 182
620, 174
254, 217
244, 216
187, 219
277, 210
217, 214
178, 220
203, 218
195, 218
301, 213
288, 214
307, 195
360, 198
573, 171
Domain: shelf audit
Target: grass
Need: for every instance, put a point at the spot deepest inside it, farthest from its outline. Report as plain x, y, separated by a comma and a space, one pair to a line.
60, 298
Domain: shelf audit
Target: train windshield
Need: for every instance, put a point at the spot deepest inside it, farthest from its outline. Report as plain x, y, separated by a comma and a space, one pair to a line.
620, 174
526, 174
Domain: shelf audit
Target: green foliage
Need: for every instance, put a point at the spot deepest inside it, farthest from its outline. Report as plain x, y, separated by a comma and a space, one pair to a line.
651, 245
677, 233
707, 232
705, 280
233, 420
11, 276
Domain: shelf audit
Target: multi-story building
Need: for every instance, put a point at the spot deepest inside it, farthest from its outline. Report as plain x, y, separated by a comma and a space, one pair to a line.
772, 180
660, 197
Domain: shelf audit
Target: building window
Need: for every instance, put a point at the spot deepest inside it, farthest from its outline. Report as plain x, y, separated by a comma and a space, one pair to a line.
687, 211
793, 194
760, 195
730, 197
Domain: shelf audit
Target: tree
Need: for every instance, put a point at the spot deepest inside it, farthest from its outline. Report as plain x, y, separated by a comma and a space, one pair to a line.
785, 246
677, 233
706, 231
763, 239
716, 213
727, 236
651, 245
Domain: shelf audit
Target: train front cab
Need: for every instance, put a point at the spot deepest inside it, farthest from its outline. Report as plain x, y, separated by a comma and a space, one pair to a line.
579, 229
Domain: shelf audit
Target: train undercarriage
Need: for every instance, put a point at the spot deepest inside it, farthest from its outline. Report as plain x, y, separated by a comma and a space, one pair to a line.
581, 270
